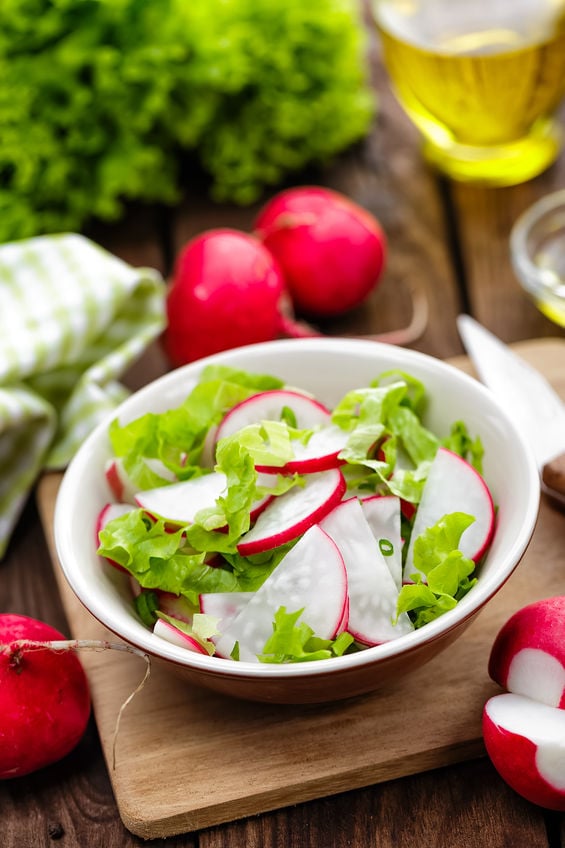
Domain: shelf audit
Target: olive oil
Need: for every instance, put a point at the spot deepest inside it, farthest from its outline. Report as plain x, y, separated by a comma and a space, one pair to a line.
481, 79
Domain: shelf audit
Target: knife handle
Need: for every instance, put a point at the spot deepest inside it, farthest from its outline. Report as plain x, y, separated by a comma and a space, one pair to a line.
553, 478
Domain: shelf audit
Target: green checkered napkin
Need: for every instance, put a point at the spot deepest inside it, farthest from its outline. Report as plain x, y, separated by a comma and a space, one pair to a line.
72, 318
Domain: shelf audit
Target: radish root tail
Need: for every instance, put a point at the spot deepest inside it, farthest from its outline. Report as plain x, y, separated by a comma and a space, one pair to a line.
20, 646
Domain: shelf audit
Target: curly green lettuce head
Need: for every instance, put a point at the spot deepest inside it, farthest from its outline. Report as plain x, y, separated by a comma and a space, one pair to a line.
100, 100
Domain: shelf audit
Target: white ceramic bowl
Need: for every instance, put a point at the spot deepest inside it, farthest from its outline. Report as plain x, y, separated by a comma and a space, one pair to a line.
328, 368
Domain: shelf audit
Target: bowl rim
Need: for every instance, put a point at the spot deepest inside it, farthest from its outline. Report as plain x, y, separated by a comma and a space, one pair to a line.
143, 638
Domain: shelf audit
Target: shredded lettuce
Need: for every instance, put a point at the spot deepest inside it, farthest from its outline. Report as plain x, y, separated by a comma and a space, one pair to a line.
159, 559
443, 572
294, 641
177, 437
383, 422
459, 441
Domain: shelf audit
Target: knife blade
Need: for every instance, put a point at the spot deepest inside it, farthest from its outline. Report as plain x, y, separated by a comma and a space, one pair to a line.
537, 408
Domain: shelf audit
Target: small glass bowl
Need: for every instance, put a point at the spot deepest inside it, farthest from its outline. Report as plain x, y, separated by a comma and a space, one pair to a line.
537, 249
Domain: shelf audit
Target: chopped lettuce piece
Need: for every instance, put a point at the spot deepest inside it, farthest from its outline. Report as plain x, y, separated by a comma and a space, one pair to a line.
381, 421
146, 606
177, 436
159, 559
459, 441
294, 641
443, 575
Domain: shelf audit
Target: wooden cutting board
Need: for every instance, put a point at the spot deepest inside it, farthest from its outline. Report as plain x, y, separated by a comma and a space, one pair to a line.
188, 758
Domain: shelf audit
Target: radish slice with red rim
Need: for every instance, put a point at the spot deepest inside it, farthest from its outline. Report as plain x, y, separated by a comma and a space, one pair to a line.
176, 636
271, 406
320, 453
179, 502
372, 591
120, 483
453, 485
382, 513
289, 515
106, 514
311, 577
224, 606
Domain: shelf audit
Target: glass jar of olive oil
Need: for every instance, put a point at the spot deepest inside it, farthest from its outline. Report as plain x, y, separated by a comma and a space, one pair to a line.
481, 79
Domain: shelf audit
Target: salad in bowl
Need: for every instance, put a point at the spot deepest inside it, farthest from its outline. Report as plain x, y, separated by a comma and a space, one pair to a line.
278, 518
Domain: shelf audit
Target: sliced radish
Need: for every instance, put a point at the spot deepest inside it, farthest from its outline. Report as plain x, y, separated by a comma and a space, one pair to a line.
525, 740
453, 485
269, 406
289, 515
175, 606
179, 502
319, 454
109, 512
383, 517
106, 514
224, 606
372, 591
528, 654
176, 636
311, 577
121, 485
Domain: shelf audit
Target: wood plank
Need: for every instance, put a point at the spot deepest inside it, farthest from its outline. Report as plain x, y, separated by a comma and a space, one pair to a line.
232, 759
458, 806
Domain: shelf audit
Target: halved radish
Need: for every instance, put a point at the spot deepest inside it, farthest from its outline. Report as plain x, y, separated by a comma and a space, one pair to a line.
311, 577
372, 591
270, 406
383, 517
120, 483
176, 636
525, 740
320, 453
289, 515
179, 502
453, 485
528, 654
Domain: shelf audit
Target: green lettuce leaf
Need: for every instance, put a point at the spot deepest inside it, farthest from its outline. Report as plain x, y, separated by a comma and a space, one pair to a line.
443, 575
161, 560
294, 641
383, 426
459, 441
176, 437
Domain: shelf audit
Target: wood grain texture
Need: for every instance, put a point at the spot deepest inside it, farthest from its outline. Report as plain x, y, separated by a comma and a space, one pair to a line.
213, 759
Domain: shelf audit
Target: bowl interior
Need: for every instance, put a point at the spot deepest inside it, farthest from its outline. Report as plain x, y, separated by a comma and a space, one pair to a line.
328, 368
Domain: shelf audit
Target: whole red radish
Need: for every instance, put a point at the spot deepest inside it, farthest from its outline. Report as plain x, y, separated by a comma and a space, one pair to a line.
44, 697
331, 250
227, 291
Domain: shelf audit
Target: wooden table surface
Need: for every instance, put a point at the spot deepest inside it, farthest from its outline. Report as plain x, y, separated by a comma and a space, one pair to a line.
450, 239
